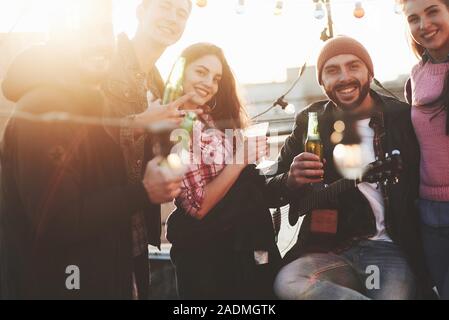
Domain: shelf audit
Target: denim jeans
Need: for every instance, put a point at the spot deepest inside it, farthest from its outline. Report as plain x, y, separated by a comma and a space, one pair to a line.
370, 270
435, 233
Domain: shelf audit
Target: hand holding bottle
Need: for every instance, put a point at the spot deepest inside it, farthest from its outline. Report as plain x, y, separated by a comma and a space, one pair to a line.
159, 187
306, 168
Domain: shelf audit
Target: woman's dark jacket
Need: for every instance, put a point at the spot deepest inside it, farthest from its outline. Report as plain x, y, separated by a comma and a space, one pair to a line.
238, 225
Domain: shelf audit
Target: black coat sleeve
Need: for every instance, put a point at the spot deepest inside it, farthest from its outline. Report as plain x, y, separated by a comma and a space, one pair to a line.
48, 170
277, 191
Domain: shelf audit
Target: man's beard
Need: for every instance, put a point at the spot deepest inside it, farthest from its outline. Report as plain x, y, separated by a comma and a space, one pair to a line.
364, 91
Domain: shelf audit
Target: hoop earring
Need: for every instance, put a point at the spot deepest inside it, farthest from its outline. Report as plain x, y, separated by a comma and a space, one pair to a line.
215, 104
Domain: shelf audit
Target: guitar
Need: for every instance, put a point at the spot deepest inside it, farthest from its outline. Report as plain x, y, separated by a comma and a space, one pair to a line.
381, 171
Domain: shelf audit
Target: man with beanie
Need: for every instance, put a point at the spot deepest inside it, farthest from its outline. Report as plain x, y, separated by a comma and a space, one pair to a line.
367, 246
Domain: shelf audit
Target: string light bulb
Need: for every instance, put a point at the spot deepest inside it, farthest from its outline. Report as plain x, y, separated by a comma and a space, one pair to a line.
287, 107
279, 5
397, 8
348, 160
359, 12
347, 153
319, 11
201, 3
240, 8
290, 109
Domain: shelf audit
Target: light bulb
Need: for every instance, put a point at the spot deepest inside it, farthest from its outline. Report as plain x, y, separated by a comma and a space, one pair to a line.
240, 9
290, 109
359, 12
201, 3
348, 160
397, 8
339, 126
278, 7
172, 167
319, 12
174, 160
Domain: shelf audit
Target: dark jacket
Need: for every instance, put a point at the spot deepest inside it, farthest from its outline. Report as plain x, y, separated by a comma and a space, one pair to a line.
356, 220
227, 238
125, 92
242, 215
65, 198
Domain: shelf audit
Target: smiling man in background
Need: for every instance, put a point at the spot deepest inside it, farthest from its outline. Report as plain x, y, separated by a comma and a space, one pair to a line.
376, 226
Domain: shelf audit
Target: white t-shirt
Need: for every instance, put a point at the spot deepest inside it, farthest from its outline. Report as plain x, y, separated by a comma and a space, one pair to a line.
370, 190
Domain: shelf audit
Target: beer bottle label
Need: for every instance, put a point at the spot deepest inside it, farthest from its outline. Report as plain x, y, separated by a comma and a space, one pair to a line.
313, 142
312, 129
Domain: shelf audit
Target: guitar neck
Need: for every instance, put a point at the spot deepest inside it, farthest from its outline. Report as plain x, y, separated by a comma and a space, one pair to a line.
321, 197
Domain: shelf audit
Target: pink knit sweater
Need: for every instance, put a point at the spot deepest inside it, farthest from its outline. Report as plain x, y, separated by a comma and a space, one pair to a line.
427, 85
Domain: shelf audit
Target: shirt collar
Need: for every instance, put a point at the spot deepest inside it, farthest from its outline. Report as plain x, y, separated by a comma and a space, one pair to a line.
427, 57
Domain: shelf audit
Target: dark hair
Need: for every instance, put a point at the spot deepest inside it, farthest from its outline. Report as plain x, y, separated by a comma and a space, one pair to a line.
443, 99
228, 112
